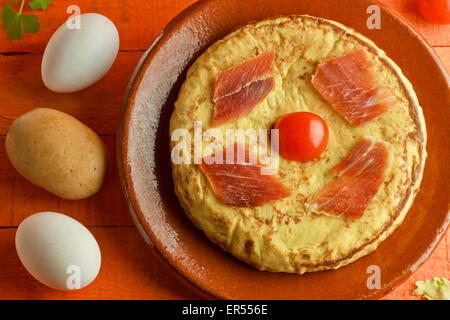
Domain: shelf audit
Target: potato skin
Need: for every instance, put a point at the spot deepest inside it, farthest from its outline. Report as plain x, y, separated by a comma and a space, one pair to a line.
58, 153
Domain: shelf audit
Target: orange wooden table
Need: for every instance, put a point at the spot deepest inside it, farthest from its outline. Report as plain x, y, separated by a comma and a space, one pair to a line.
129, 271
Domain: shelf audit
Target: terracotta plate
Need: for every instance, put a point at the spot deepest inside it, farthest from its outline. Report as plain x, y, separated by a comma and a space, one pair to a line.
145, 163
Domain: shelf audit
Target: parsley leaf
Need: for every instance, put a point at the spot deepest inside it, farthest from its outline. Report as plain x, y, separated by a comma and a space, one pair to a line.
14, 22
11, 22
36, 4
29, 23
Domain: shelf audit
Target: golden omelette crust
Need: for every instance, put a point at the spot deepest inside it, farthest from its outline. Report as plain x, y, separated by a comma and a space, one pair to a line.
282, 236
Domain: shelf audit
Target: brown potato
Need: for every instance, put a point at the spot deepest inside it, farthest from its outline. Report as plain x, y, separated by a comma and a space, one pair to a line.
58, 153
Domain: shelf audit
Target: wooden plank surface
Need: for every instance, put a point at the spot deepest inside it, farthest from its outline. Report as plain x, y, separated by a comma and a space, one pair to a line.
138, 21
97, 106
129, 269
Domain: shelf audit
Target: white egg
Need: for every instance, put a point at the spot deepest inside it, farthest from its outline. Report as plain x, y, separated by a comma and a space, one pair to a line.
74, 58
58, 250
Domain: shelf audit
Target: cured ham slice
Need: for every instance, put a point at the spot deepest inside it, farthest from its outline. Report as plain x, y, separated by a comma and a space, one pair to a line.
359, 177
239, 89
242, 185
349, 85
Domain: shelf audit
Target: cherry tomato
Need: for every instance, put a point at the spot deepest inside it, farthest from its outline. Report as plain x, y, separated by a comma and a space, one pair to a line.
303, 136
437, 11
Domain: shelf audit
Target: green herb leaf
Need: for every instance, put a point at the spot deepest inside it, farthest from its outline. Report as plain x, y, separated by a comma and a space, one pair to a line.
29, 23
36, 4
11, 22
14, 22
13, 1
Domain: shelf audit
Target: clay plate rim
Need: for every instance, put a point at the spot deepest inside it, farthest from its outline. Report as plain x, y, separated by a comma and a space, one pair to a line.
125, 171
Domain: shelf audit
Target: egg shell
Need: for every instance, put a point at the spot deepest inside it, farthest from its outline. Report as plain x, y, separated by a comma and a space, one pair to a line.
51, 246
58, 153
75, 59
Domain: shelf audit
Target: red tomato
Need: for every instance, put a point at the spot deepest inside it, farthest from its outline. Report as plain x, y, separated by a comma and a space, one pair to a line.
437, 11
303, 136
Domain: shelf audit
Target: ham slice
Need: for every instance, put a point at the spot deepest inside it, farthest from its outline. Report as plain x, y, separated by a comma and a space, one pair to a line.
359, 177
349, 85
239, 89
242, 185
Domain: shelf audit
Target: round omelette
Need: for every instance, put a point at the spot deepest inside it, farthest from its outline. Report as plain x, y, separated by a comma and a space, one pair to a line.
283, 235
